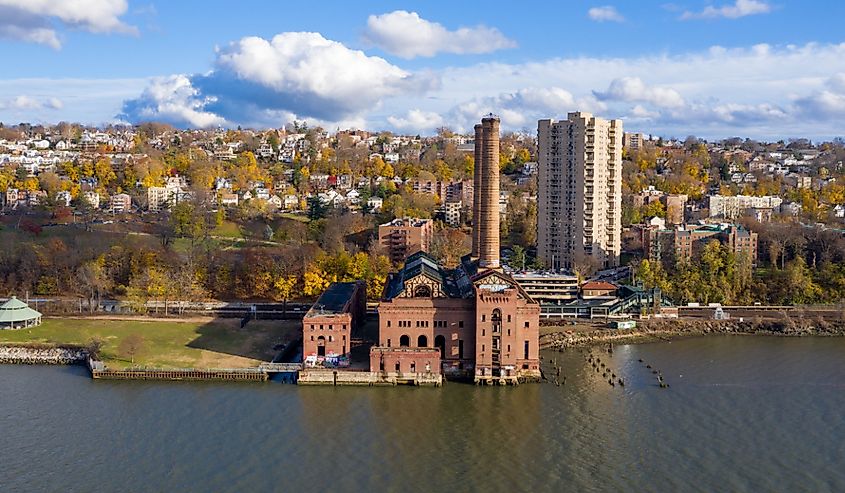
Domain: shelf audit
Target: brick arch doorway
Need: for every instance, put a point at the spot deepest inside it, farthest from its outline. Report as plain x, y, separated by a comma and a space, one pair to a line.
321, 346
422, 341
440, 343
404, 341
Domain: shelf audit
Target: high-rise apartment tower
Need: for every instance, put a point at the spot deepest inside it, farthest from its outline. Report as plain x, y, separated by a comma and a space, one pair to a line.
579, 197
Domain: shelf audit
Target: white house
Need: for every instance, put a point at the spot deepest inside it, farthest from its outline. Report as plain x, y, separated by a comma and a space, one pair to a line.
375, 204
262, 193
290, 202
353, 197
229, 199
275, 202
93, 198
330, 197
63, 198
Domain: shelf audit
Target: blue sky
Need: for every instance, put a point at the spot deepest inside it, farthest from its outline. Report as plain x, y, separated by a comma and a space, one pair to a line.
713, 68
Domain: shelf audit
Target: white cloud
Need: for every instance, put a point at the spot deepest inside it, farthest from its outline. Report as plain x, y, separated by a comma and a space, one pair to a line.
828, 102
605, 13
740, 8
633, 89
29, 103
725, 91
299, 74
407, 35
416, 120
756, 91
33, 20
640, 112
520, 109
175, 100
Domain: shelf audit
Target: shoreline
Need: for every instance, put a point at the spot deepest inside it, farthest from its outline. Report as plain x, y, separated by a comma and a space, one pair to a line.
669, 330
650, 331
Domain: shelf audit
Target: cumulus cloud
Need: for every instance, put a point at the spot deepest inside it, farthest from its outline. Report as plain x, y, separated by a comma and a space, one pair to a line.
752, 87
522, 108
828, 102
296, 74
407, 35
175, 100
633, 89
416, 120
740, 8
29, 103
34, 21
756, 91
605, 13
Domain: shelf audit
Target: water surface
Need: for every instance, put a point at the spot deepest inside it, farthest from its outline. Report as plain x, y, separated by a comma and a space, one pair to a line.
741, 414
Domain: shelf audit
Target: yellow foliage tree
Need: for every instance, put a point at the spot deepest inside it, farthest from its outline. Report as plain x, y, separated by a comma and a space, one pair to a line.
315, 280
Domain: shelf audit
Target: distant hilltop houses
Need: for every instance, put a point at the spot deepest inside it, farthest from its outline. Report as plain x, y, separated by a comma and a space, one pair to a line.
151, 168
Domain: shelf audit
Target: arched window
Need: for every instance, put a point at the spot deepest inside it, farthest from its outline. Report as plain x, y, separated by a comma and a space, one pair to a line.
422, 291
422, 341
497, 321
440, 342
404, 341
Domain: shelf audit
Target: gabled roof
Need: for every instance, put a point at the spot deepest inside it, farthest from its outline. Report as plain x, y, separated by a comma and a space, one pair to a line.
422, 264
502, 277
599, 285
15, 310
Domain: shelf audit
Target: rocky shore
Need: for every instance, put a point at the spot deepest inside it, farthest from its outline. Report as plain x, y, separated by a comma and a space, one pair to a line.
31, 354
664, 330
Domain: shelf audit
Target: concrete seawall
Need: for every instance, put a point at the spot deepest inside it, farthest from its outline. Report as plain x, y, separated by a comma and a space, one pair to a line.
662, 330
42, 355
321, 376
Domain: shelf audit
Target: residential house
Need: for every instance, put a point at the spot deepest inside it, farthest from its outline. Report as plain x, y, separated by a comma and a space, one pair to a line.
275, 202
93, 198
374, 204
229, 199
63, 197
262, 193
120, 203
290, 202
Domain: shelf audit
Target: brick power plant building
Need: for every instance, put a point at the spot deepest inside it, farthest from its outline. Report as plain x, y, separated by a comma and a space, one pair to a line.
472, 321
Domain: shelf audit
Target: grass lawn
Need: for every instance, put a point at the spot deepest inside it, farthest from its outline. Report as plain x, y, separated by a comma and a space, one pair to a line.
210, 343
228, 229
295, 217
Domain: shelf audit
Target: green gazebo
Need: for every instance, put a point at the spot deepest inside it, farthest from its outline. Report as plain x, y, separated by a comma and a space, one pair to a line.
15, 314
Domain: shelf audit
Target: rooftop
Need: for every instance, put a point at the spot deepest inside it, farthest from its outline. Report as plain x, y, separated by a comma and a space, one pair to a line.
455, 283
15, 310
594, 285
334, 300
407, 221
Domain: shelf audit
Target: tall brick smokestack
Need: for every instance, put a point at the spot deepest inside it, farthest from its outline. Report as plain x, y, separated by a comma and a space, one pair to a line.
486, 187
476, 193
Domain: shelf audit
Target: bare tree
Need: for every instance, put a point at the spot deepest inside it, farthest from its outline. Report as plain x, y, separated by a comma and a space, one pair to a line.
131, 346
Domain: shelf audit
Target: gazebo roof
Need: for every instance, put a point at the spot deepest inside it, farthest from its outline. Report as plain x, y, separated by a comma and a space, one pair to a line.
15, 310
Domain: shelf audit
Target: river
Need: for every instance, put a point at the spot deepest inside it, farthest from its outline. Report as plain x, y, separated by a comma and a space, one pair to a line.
741, 414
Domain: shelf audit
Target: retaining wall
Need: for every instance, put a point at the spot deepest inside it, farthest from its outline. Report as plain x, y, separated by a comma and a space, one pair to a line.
38, 355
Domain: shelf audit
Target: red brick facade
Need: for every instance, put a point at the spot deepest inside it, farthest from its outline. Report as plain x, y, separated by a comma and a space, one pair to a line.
490, 329
328, 326
507, 334
404, 361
